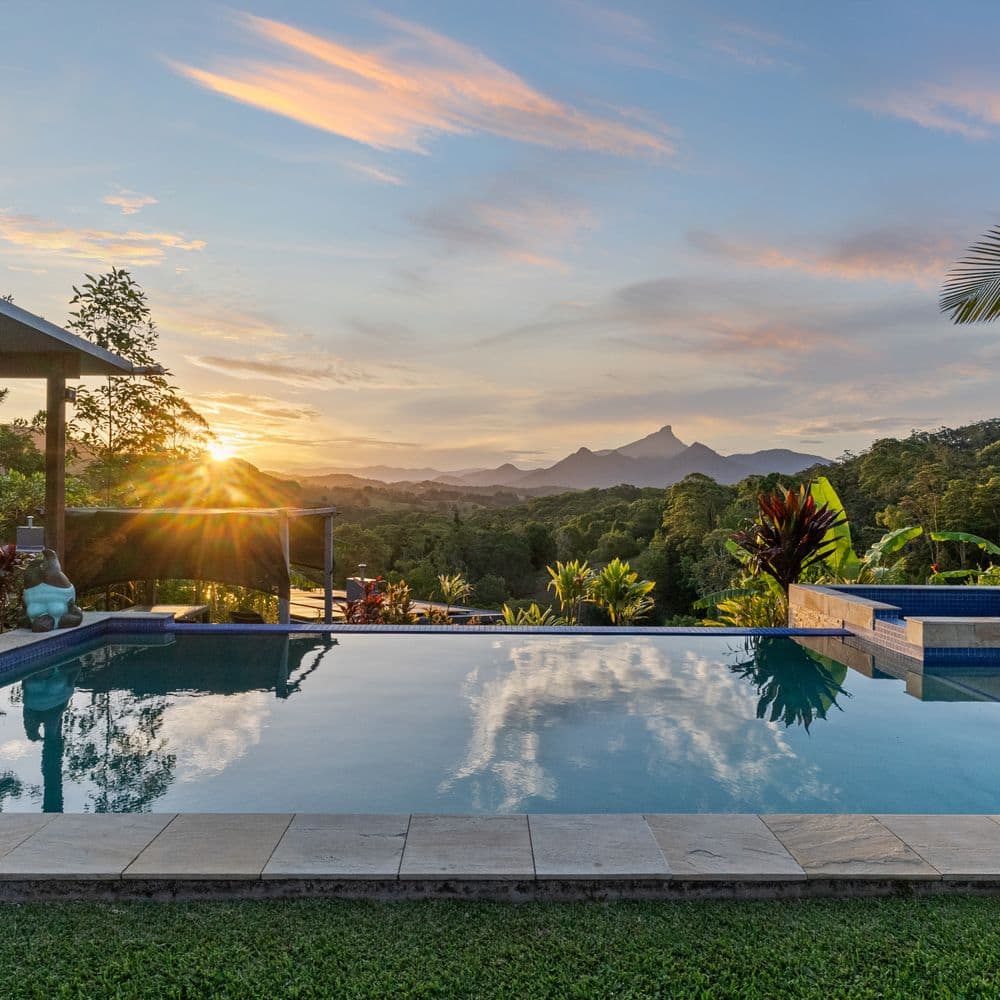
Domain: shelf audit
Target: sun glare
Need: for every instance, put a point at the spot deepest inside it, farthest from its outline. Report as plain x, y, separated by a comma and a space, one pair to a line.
220, 451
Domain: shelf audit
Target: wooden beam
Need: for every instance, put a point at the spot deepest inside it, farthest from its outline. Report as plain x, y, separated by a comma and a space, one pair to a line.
284, 598
17, 365
328, 569
55, 464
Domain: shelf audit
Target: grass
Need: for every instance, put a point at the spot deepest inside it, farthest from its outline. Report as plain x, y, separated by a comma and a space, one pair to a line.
942, 948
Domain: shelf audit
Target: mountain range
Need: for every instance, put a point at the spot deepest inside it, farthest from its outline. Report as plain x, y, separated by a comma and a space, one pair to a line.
658, 459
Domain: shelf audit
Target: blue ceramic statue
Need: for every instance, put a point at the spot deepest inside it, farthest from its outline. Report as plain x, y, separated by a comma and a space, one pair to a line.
49, 597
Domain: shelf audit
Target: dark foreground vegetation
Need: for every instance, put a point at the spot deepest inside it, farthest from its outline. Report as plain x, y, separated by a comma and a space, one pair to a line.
942, 948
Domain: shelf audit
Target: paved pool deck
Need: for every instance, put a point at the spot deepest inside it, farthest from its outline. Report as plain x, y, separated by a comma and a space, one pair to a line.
165, 856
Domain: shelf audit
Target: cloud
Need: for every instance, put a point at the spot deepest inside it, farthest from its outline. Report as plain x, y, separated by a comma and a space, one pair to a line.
306, 372
753, 47
866, 425
219, 320
900, 254
376, 173
129, 201
421, 84
134, 248
970, 110
238, 404
529, 228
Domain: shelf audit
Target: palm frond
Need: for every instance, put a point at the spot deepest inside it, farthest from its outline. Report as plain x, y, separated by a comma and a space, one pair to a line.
971, 291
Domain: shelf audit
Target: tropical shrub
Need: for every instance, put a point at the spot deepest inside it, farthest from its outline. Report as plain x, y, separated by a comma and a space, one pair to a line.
397, 605
369, 609
791, 534
532, 615
619, 591
454, 589
571, 582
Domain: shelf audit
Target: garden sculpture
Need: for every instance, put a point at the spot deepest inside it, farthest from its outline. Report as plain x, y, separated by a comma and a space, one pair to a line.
49, 597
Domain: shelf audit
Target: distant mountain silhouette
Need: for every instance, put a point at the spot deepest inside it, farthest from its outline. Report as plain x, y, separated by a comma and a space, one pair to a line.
658, 459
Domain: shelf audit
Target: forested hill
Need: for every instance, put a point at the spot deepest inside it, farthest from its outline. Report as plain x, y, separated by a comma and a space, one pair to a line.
945, 480
502, 538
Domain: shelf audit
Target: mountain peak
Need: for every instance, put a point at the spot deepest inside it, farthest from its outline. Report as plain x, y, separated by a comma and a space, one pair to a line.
660, 444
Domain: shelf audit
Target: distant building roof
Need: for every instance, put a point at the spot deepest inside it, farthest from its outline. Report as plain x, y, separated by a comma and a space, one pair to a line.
32, 347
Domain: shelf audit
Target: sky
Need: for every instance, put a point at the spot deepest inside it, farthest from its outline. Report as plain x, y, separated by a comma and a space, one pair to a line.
452, 234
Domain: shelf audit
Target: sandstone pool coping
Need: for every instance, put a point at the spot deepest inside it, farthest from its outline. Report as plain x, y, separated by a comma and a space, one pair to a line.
493, 857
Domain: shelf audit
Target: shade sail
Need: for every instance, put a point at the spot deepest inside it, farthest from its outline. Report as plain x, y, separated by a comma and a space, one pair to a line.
239, 547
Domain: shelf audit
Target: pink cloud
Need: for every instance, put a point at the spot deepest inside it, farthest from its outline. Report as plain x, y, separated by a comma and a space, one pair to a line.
422, 84
968, 109
891, 255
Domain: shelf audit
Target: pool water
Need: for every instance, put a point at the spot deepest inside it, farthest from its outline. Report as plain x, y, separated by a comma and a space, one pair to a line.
486, 723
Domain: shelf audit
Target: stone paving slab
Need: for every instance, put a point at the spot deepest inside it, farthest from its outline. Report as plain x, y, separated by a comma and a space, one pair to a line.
595, 846
831, 846
966, 847
341, 846
18, 827
709, 846
467, 847
84, 846
212, 845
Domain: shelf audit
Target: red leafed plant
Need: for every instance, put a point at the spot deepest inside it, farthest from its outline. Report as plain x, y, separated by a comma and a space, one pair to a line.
788, 535
369, 608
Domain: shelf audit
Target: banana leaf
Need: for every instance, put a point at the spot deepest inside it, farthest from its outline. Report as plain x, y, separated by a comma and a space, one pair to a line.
842, 561
963, 536
712, 600
891, 543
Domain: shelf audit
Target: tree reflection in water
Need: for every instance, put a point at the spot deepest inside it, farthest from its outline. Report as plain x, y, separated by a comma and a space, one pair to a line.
794, 685
108, 736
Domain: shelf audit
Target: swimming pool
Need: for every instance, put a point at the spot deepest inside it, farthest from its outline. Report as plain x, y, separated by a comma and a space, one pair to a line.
490, 722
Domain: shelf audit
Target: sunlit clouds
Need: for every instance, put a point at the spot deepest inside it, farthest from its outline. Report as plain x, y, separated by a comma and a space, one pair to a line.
890, 255
129, 202
417, 85
131, 248
968, 109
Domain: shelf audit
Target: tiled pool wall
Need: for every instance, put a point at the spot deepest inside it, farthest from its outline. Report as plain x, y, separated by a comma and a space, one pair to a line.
20, 647
939, 625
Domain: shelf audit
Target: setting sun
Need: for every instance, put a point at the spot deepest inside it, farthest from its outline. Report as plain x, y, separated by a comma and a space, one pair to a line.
221, 451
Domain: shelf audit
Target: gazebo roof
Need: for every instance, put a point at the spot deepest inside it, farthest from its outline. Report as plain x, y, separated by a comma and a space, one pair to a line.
32, 347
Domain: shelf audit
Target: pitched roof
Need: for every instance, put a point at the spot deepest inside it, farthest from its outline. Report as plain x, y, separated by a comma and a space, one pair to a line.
32, 347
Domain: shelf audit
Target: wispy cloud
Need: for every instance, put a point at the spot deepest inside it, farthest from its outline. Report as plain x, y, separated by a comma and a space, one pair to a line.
971, 110
134, 248
419, 85
899, 254
218, 319
529, 230
304, 372
753, 47
128, 201
373, 173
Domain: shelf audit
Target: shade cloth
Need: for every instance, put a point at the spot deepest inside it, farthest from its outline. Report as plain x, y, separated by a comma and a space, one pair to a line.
239, 547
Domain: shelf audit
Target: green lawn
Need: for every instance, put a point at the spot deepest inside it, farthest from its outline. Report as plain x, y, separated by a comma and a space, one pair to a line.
942, 948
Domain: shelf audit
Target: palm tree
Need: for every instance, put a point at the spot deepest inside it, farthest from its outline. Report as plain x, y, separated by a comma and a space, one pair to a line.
971, 290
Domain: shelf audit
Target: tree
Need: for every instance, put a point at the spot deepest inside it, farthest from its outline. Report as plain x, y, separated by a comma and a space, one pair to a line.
17, 444
971, 291
128, 417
